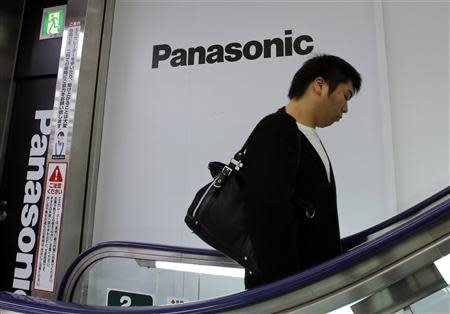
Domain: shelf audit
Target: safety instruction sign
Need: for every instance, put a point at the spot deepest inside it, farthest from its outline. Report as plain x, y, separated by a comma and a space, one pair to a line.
50, 227
65, 100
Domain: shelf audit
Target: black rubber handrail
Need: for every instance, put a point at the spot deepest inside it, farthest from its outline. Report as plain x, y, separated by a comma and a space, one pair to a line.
361, 253
425, 220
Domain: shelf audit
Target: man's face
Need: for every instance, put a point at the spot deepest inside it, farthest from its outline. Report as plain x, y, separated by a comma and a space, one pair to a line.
60, 138
333, 106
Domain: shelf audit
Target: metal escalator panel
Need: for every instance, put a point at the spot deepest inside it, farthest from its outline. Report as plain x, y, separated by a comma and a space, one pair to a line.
401, 294
425, 292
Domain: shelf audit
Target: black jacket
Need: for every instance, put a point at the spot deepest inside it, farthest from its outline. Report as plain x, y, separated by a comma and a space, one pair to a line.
290, 205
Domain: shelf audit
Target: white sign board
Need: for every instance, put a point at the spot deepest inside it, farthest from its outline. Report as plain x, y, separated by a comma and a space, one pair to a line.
189, 80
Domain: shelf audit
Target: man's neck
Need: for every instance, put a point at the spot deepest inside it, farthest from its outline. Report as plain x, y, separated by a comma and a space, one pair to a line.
301, 112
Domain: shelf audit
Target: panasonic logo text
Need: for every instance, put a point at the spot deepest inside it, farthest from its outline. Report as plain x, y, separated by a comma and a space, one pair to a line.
232, 52
30, 211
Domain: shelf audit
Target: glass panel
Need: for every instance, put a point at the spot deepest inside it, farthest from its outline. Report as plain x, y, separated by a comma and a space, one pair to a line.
383, 231
436, 303
141, 277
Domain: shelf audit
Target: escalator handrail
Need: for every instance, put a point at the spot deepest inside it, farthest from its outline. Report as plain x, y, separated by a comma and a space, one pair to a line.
355, 239
314, 274
260, 294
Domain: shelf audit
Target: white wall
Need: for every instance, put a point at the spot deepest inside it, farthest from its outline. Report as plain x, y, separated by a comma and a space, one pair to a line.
391, 152
417, 50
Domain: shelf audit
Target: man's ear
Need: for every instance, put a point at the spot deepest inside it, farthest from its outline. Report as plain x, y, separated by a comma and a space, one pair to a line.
318, 85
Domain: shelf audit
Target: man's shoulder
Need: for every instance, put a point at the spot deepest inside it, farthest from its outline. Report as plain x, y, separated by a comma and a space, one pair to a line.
278, 121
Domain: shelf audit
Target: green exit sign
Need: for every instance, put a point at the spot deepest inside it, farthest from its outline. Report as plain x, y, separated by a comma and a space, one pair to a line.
52, 24
127, 298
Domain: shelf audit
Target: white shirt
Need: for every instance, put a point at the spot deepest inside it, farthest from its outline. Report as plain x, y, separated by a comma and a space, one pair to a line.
314, 139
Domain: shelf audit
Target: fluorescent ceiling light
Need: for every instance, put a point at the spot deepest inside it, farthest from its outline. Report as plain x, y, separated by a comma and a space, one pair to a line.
202, 269
443, 265
343, 310
347, 309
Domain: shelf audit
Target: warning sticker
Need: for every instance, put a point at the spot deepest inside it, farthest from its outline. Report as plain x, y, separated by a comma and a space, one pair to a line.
175, 300
50, 228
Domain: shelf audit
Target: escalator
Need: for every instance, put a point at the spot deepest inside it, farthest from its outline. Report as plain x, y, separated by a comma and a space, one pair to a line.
393, 267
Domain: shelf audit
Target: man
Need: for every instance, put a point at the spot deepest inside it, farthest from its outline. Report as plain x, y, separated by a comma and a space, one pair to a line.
290, 192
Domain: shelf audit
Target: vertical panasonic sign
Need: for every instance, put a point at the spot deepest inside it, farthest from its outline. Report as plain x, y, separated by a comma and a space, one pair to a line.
31, 200
55, 132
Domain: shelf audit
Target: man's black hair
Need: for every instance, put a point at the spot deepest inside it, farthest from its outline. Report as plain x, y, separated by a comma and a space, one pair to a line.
333, 69
61, 133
